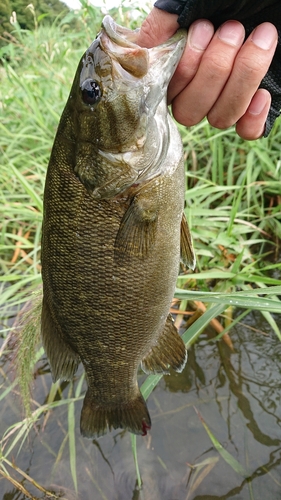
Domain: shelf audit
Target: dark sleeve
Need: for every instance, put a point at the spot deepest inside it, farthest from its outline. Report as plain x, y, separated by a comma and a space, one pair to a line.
250, 13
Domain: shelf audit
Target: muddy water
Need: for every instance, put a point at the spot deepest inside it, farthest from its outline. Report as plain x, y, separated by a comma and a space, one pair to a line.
238, 396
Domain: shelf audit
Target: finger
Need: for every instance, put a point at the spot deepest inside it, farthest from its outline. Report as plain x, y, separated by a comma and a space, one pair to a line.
196, 100
158, 27
251, 65
251, 125
199, 36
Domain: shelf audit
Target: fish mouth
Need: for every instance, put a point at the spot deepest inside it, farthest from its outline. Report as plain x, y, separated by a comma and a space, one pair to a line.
121, 44
118, 34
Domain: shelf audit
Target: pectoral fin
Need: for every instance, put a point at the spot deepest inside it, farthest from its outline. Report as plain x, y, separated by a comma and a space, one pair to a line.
136, 235
169, 352
187, 252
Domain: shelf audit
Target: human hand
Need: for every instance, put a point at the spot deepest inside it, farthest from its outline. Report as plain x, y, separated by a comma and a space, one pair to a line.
219, 74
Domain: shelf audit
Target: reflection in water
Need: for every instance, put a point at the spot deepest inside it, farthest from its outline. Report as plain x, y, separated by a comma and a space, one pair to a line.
238, 394
242, 387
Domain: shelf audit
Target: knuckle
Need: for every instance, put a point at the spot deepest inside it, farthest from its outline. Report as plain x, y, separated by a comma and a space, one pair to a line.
184, 116
186, 69
219, 121
251, 68
225, 113
218, 65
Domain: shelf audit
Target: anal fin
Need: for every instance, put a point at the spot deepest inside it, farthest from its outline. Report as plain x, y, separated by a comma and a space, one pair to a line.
97, 418
63, 360
169, 352
187, 251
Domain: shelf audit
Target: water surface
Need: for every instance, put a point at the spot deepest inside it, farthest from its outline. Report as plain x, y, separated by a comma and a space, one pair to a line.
238, 396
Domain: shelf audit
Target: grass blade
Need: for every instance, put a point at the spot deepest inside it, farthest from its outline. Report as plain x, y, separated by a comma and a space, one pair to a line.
72, 446
134, 448
234, 299
193, 332
236, 466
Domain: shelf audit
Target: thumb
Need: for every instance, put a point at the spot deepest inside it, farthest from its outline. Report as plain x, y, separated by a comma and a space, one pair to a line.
158, 27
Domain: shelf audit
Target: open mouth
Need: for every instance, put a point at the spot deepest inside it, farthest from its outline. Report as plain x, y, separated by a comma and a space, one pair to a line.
120, 44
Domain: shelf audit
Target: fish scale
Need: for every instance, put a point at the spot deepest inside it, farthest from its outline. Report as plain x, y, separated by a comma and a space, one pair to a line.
111, 247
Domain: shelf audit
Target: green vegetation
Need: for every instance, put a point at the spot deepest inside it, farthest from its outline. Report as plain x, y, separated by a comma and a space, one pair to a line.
233, 204
27, 13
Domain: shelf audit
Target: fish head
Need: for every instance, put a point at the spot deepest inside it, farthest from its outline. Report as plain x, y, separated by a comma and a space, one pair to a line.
119, 85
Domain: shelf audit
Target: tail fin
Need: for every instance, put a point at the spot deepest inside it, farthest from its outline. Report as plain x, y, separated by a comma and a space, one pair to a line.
97, 418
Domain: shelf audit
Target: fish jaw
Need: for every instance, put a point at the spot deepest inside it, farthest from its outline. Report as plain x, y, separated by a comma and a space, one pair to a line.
155, 65
158, 62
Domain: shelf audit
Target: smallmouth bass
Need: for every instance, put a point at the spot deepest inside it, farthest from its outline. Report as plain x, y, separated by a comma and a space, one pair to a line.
114, 228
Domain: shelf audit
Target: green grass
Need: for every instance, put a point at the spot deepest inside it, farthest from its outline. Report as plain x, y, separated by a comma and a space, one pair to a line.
233, 204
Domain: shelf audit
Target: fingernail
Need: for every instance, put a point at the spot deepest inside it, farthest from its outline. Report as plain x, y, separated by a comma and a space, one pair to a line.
258, 102
232, 33
264, 36
200, 35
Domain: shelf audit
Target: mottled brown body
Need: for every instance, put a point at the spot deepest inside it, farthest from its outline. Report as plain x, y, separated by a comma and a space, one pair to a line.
110, 257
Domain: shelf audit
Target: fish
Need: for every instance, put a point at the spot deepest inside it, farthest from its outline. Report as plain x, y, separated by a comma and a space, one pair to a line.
114, 229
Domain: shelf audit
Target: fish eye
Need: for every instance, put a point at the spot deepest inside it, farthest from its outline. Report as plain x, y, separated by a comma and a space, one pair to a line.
91, 91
